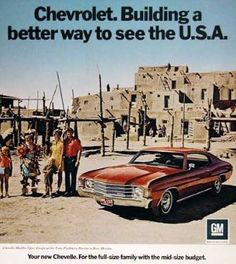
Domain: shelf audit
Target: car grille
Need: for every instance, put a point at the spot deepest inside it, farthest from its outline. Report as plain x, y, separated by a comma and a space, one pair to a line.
113, 190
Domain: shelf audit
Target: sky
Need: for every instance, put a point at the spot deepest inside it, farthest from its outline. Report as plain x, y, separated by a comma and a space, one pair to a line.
28, 67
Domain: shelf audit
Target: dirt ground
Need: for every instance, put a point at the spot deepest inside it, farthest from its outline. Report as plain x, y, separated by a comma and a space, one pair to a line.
82, 221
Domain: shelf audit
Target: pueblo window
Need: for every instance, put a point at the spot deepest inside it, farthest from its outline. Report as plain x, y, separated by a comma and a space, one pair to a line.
186, 126
203, 94
230, 94
133, 98
166, 101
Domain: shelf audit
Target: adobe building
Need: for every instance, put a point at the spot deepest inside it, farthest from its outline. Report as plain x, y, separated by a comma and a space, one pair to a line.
165, 95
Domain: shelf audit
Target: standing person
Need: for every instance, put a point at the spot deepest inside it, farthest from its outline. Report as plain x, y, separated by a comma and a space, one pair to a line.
29, 154
72, 155
5, 170
56, 152
163, 130
159, 131
48, 171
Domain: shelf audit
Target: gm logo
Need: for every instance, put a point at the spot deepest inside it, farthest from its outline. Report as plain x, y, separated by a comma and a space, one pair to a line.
217, 230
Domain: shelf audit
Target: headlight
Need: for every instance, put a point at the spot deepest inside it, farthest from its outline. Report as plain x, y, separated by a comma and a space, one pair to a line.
138, 192
88, 184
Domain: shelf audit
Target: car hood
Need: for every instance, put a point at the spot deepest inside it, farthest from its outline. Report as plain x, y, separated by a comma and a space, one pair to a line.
130, 174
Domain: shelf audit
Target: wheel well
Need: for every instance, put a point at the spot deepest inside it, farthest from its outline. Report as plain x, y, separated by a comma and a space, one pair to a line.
223, 178
174, 192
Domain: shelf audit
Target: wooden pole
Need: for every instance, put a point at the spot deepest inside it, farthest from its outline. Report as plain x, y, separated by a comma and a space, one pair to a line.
113, 131
73, 100
128, 124
76, 129
59, 83
15, 131
18, 118
44, 104
36, 130
47, 135
183, 121
145, 125
172, 131
44, 123
18, 129
28, 106
68, 121
113, 137
172, 128
37, 102
51, 102
73, 97
101, 115
209, 125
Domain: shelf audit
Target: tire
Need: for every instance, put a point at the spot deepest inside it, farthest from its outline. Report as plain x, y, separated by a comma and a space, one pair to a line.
165, 205
217, 187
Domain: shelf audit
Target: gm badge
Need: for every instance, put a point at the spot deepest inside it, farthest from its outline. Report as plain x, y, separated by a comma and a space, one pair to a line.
217, 231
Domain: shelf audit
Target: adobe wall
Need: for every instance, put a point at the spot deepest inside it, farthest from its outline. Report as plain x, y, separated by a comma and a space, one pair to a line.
160, 88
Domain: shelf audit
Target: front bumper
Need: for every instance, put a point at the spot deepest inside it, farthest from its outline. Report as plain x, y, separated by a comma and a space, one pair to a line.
143, 202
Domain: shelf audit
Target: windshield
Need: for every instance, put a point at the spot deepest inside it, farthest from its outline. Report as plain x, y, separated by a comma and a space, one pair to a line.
165, 159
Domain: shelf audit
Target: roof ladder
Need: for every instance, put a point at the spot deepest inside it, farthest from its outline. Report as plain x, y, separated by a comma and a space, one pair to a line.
165, 83
185, 77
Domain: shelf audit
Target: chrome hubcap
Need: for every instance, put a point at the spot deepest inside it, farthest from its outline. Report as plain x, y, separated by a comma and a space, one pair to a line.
218, 185
166, 202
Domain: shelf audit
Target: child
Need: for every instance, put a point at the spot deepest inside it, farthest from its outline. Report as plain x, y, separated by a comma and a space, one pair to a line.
48, 171
5, 170
29, 154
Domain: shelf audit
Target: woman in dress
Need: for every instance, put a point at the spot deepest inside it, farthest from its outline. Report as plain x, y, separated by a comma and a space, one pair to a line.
56, 152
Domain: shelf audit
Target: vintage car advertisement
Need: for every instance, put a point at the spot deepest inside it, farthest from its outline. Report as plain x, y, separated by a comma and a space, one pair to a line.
117, 131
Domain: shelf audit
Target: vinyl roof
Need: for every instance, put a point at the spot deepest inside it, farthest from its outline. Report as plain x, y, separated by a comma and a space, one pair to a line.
174, 149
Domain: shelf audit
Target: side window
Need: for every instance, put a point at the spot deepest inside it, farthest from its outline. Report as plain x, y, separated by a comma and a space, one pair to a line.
197, 160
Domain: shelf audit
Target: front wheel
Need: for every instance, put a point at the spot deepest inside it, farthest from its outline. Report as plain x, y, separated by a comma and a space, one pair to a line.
166, 204
217, 187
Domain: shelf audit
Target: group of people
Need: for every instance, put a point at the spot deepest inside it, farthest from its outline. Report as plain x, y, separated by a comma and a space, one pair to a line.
160, 131
64, 157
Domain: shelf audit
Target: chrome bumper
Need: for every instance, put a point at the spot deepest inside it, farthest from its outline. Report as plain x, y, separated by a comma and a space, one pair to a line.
84, 193
144, 202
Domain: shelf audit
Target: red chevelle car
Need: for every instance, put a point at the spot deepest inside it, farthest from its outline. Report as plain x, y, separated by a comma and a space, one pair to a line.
156, 178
